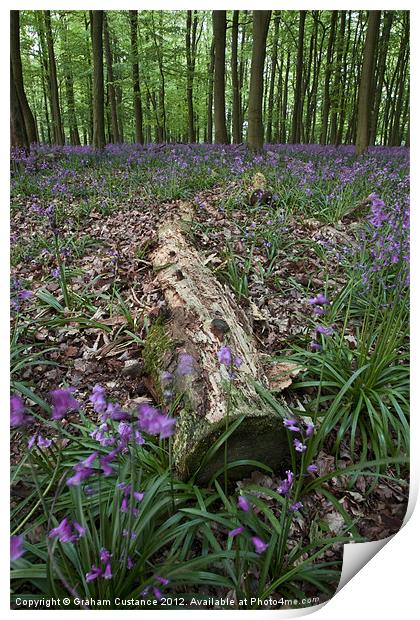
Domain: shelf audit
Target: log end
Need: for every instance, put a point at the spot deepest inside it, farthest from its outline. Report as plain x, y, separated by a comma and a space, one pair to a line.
259, 437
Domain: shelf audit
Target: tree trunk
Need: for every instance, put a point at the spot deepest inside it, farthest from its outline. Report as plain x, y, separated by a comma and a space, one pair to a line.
18, 92
365, 90
328, 70
96, 18
138, 112
283, 120
298, 103
382, 57
400, 90
52, 69
219, 32
269, 132
69, 85
210, 89
236, 104
18, 136
89, 83
190, 48
111, 88
337, 79
261, 21
204, 317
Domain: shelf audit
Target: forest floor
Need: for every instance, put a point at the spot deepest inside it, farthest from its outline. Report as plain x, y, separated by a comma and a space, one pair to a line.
275, 256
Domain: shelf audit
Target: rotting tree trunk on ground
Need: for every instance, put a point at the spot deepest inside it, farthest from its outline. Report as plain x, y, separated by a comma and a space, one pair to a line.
204, 317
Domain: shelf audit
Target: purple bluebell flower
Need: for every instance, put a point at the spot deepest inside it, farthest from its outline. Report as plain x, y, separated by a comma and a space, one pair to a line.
16, 547
93, 574
18, 416
104, 555
243, 503
225, 356
152, 421
326, 331
63, 402
319, 299
295, 507
97, 398
312, 469
55, 272
162, 580
237, 362
285, 485
63, 532
130, 563
24, 294
299, 446
260, 546
291, 425
236, 532
309, 430
185, 364
315, 346
42, 442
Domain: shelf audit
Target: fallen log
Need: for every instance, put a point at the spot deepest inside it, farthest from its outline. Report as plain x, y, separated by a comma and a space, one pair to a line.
203, 317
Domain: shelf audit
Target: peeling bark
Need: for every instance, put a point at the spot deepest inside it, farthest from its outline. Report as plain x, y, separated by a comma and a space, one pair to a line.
203, 317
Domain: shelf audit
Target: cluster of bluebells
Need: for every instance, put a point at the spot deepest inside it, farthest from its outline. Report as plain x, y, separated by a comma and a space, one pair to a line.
319, 302
229, 360
18, 295
259, 545
104, 570
156, 588
388, 236
67, 531
129, 497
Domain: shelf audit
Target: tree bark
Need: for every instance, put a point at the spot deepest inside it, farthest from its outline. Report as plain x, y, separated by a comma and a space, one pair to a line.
138, 112
52, 67
190, 48
18, 94
210, 89
261, 21
269, 132
337, 79
365, 90
98, 79
328, 70
116, 139
198, 303
382, 57
69, 84
298, 103
219, 32
236, 104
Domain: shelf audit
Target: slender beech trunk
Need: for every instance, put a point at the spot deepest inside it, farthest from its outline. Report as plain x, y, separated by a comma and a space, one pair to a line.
210, 88
69, 84
52, 71
236, 104
96, 18
365, 90
110, 79
261, 21
298, 103
328, 70
382, 57
138, 112
190, 47
18, 95
272, 79
283, 122
335, 99
219, 32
